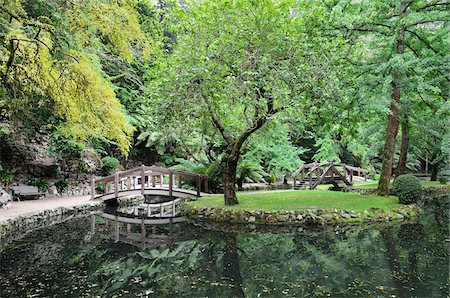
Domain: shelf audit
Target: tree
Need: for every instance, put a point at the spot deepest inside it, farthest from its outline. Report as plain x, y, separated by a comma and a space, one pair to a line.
399, 47
236, 66
49, 58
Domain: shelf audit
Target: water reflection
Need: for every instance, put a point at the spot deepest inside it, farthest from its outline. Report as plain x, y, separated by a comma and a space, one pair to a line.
103, 256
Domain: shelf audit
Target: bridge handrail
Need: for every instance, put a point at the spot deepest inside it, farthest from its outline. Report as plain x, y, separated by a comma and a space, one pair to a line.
148, 171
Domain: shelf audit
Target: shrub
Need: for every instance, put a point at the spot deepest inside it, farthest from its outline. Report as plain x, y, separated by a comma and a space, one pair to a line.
408, 189
40, 183
61, 185
109, 164
444, 175
5, 177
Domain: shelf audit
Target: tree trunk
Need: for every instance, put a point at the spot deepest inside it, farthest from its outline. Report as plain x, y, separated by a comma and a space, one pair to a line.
392, 129
404, 147
229, 178
434, 172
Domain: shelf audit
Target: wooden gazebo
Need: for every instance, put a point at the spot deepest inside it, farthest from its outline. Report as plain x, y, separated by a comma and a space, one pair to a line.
313, 174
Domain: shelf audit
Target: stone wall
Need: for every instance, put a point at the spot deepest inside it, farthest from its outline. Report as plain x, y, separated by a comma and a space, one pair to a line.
28, 157
21, 225
318, 216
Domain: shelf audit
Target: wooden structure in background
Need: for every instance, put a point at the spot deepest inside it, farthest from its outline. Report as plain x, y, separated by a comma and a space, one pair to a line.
313, 174
149, 180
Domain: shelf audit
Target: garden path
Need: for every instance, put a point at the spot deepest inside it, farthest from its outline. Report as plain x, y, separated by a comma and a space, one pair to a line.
34, 206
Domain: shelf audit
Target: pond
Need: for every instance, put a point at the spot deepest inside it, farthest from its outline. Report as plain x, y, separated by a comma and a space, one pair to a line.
94, 256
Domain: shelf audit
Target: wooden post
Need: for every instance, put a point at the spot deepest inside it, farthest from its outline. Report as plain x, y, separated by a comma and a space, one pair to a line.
128, 183
92, 224
206, 183
199, 185
143, 231
142, 180
173, 208
116, 185
170, 182
161, 179
295, 182
351, 176
116, 223
92, 189
153, 181
303, 173
179, 181
310, 180
128, 228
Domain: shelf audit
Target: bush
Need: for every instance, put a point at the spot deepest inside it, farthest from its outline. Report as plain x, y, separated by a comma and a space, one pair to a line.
5, 177
444, 175
408, 189
41, 184
61, 185
109, 164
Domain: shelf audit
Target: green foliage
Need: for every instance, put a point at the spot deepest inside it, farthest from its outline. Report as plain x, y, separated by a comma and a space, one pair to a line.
109, 164
61, 185
328, 150
41, 184
250, 170
407, 188
61, 73
6, 177
65, 147
444, 174
213, 171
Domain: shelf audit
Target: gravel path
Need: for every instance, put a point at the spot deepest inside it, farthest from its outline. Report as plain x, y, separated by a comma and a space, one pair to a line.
34, 206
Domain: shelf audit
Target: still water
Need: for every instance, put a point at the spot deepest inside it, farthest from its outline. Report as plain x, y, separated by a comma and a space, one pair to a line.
95, 256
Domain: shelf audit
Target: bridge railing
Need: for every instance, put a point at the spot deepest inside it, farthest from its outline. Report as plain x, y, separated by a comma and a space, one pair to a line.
148, 177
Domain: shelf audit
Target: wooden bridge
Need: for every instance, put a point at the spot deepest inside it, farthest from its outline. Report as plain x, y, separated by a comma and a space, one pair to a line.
149, 180
315, 173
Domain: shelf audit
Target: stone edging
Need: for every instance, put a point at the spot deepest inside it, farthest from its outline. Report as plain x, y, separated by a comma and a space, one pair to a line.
309, 216
18, 227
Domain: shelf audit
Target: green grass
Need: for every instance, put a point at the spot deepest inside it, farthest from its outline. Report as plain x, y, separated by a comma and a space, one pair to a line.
292, 200
374, 184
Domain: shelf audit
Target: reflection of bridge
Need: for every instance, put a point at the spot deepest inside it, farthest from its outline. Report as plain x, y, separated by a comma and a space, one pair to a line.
314, 174
151, 180
142, 232
164, 210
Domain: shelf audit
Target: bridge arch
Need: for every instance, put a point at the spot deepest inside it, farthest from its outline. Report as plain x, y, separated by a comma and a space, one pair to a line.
149, 180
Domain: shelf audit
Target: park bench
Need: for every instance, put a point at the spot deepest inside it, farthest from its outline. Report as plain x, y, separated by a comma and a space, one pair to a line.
26, 191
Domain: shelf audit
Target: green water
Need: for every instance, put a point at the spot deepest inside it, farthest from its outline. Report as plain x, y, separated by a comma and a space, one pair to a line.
80, 259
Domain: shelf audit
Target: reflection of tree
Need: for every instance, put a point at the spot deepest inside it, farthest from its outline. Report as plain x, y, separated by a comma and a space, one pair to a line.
393, 260
411, 237
231, 269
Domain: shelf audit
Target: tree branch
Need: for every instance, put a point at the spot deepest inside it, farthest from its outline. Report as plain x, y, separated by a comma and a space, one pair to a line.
423, 40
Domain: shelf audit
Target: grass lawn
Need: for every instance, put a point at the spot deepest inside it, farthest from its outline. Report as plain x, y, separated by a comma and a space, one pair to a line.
293, 200
374, 184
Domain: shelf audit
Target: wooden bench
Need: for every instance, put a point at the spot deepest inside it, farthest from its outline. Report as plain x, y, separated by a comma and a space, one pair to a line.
26, 191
